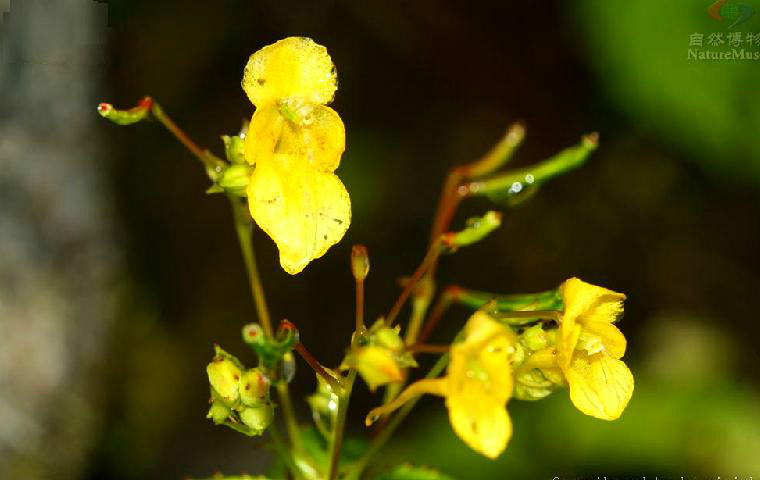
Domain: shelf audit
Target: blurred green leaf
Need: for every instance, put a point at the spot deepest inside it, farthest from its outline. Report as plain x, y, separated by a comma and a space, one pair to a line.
409, 472
707, 107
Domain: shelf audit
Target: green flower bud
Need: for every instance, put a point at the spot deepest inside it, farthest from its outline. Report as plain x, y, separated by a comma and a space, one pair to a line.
388, 338
253, 334
536, 338
516, 354
258, 417
235, 179
233, 148
219, 412
224, 377
254, 387
533, 385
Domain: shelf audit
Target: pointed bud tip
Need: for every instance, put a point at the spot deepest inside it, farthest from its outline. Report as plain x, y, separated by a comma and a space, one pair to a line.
516, 132
591, 140
146, 103
359, 262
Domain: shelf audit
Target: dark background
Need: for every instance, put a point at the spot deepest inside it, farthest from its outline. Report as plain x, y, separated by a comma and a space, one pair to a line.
666, 211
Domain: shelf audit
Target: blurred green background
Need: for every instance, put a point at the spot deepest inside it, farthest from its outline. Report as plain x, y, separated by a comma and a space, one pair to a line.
667, 211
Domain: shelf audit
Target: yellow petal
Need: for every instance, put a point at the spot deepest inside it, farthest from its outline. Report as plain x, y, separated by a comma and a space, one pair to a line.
481, 328
377, 366
569, 333
303, 210
321, 142
585, 302
544, 359
612, 338
600, 385
480, 384
292, 67
485, 426
264, 132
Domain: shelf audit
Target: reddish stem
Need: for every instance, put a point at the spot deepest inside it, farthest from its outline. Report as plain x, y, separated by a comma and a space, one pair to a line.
335, 383
449, 295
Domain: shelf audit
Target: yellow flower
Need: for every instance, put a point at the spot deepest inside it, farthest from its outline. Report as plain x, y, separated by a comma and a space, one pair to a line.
377, 366
477, 386
295, 143
590, 347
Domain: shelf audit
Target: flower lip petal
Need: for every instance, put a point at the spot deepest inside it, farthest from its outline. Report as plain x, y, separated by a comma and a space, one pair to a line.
291, 67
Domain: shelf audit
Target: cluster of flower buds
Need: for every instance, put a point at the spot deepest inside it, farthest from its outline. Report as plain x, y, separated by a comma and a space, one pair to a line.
380, 356
275, 354
534, 379
239, 396
234, 177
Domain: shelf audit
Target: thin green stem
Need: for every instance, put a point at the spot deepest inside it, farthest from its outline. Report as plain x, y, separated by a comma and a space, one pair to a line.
243, 228
379, 442
290, 418
336, 441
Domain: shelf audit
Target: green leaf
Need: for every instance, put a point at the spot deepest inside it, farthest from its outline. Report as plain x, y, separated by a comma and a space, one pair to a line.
409, 472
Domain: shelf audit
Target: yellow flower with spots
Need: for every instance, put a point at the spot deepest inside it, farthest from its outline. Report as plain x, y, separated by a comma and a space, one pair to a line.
477, 386
295, 142
590, 347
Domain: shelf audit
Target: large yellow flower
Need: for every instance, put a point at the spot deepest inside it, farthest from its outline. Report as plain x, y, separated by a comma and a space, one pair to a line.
295, 142
590, 347
477, 386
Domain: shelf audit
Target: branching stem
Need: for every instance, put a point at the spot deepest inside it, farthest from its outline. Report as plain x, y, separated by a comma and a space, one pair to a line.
335, 383
432, 255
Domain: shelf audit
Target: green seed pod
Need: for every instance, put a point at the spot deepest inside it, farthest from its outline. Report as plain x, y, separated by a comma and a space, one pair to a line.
219, 412
257, 418
254, 387
224, 377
